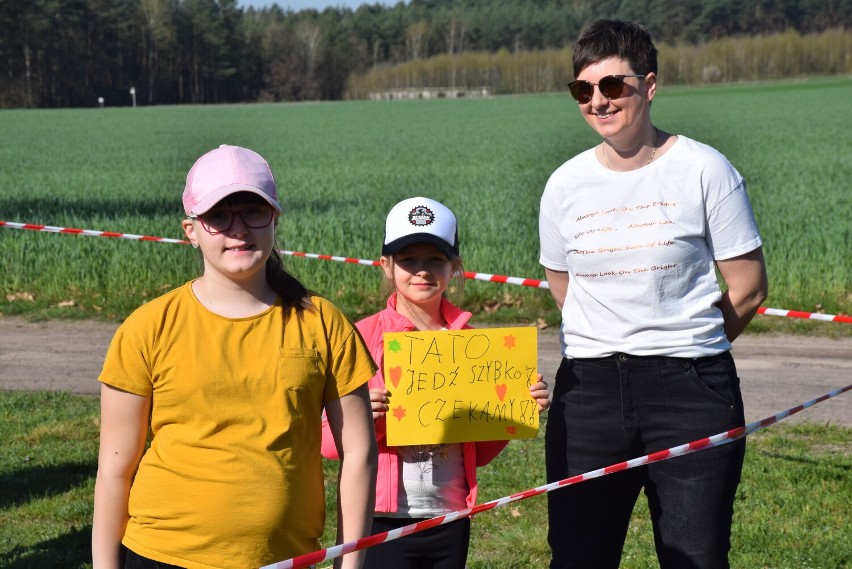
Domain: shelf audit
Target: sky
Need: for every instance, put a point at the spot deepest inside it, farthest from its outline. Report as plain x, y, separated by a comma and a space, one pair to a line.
297, 5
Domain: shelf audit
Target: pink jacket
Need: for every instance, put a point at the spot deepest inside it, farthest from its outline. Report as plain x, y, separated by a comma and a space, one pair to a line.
476, 454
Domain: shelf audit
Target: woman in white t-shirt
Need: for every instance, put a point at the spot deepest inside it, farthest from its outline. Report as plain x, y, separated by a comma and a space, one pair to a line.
632, 234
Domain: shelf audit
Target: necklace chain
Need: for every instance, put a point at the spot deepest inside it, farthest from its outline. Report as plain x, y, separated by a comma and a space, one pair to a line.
653, 151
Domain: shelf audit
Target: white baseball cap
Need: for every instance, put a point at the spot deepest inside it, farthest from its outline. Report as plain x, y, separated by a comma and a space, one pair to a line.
421, 220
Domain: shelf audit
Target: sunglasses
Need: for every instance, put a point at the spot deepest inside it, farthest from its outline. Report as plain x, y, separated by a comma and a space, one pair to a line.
218, 221
610, 86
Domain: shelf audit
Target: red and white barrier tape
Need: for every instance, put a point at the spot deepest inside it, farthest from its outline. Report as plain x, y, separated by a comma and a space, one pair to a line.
352, 260
808, 315
89, 232
695, 446
478, 276
536, 283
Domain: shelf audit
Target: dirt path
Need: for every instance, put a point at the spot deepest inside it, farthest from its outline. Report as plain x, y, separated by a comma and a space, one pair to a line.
777, 372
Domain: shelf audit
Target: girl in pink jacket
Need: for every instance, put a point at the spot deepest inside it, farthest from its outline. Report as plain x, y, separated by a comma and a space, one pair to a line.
420, 256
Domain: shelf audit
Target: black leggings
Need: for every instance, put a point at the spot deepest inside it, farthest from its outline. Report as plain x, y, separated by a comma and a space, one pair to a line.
440, 547
133, 560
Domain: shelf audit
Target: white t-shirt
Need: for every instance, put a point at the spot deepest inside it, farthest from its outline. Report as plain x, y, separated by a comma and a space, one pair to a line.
431, 481
639, 248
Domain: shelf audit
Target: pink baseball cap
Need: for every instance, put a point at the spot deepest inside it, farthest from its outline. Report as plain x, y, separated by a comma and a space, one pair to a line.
224, 171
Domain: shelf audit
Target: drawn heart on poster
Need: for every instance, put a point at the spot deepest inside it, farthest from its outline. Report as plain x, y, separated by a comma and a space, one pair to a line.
501, 391
395, 375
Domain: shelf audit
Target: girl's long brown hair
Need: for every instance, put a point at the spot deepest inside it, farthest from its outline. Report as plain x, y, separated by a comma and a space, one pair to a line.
294, 295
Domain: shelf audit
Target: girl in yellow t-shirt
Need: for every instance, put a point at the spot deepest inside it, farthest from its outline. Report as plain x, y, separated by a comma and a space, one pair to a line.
212, 395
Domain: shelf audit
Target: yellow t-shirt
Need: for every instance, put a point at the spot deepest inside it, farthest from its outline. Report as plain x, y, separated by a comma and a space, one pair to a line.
233, 475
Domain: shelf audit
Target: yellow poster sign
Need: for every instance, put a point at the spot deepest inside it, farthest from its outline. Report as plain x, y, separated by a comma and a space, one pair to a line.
456, 386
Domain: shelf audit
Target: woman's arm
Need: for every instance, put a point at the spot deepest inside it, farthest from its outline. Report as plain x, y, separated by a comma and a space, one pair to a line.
748, 285
558, 283
350, 421
124, 430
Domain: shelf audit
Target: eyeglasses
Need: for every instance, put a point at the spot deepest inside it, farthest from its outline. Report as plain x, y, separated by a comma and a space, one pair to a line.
610, 86
218, 221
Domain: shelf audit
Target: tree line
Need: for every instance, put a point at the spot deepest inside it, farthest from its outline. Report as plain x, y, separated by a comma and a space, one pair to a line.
726, 60
71, 53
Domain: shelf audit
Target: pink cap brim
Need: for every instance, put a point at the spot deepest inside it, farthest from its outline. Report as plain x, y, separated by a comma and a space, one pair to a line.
219, 194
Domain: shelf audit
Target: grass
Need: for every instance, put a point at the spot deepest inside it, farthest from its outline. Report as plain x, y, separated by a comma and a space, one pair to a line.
48, 461
793, 508
341, 166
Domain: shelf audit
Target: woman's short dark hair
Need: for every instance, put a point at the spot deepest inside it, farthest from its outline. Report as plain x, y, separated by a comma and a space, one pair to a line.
603, 39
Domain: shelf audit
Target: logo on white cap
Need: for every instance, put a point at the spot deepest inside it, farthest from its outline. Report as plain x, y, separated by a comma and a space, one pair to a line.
421, 215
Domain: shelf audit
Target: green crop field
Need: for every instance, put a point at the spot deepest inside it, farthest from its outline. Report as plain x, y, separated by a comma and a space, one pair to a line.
341, 166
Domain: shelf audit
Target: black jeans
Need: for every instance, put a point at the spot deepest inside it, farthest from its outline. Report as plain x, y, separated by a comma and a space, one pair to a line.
440, 547
611, 409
